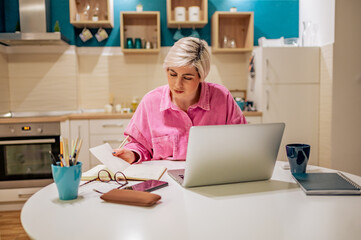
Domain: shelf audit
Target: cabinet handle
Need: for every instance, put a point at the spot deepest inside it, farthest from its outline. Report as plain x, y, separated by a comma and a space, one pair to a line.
267, 97
267, 70
112, 125
31, 141
24, 195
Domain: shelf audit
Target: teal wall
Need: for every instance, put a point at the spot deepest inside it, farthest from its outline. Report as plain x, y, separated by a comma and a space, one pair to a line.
2, 17
272, 19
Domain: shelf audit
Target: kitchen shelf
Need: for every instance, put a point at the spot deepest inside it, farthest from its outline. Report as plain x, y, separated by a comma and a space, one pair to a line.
144, 25
203, 13
237, 26
79, 19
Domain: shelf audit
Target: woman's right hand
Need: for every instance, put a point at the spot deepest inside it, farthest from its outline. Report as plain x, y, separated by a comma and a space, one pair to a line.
125, 154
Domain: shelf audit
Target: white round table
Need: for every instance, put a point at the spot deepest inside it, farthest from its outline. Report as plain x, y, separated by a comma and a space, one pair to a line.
274, 209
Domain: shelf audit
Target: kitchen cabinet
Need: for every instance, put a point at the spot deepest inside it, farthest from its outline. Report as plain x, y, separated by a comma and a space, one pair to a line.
142, 25
106, 131
232, 32
91, 14
286, 89
253, 119
203, 13
14, 199
95, 132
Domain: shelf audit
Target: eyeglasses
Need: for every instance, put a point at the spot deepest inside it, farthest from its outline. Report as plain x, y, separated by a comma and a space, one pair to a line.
105, 176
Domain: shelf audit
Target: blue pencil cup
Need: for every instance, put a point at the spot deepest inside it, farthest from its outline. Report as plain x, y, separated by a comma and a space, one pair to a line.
298, 155
67, 180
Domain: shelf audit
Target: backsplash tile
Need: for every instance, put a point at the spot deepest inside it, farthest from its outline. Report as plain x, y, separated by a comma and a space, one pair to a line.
86, 78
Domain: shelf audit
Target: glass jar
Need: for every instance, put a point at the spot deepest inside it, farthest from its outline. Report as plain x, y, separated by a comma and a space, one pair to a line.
129, 43
138, 43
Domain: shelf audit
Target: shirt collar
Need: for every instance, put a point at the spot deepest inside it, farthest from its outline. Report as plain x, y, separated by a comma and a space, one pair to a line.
203, 102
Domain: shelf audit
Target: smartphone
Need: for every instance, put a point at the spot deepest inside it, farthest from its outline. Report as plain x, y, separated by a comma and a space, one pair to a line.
148, 186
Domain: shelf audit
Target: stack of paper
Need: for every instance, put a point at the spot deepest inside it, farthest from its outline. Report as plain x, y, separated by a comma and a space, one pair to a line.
114, 164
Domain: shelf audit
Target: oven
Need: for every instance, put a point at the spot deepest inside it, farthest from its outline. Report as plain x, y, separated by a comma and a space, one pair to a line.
24, 153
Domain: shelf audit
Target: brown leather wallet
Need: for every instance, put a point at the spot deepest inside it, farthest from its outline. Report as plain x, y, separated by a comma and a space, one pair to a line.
131, 197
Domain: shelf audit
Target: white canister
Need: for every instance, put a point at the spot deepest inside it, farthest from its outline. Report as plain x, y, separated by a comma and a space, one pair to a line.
193, 13
180, 14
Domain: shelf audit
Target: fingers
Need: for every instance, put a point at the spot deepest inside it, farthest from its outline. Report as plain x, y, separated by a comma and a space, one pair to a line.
124, 154
119, 151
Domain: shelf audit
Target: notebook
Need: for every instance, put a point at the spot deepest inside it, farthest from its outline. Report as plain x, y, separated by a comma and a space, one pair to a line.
326, 184
230, 153
131, 171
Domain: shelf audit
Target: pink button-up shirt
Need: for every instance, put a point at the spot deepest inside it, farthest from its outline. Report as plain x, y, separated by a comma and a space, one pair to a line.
159, 129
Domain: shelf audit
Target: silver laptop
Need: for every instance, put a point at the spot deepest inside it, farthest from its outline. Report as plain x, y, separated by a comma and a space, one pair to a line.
223, 154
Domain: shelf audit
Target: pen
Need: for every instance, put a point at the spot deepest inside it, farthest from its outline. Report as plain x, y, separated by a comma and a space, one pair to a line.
74, 145
52, 158
76, 152
123, 143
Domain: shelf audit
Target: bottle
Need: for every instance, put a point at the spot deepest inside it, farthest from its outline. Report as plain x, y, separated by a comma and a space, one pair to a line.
57, 27
95, 17
134, 104
225, 42
86, 12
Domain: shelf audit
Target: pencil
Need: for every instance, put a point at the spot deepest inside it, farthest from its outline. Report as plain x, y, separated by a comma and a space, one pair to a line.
66, 151
123, 143
61, 152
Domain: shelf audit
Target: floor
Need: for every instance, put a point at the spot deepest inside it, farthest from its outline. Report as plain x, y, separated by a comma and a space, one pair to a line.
10, 226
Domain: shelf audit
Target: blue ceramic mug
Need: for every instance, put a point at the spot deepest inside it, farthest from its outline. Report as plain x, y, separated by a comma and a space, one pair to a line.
67, 180
298, 155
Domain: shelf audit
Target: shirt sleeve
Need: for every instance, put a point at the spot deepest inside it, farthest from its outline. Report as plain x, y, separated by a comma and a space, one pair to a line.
139, 132
234, 113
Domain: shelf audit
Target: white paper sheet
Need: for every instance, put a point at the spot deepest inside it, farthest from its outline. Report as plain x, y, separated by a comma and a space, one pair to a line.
104, 154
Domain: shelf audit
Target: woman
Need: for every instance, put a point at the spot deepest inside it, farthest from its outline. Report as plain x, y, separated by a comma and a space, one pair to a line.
160, 126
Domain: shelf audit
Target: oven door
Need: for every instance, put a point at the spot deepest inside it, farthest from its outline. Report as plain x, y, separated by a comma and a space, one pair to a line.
24, 161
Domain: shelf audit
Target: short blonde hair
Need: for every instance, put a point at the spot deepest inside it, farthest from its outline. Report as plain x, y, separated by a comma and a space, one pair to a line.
189, 51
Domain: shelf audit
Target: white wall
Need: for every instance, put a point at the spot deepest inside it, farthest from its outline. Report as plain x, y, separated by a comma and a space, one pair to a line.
321, 13
346, 114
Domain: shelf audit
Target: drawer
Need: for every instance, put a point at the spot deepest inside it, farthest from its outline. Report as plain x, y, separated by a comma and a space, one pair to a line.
108, 126
17, 194
113, 139
254, 119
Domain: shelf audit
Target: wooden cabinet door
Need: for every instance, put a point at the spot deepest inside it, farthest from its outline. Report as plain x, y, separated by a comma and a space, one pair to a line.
106, 131
297, 105
114, 141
